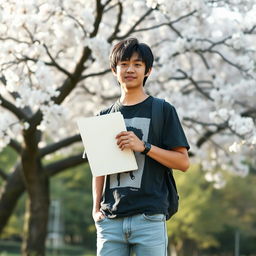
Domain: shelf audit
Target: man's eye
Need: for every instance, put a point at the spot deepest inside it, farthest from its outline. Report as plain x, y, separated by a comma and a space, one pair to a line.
137, 64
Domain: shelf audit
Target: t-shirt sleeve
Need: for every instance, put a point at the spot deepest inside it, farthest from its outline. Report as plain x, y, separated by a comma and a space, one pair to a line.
173, 133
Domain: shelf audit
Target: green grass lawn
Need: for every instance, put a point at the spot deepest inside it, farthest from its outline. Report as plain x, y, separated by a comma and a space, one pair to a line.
15, 254
9, 248
18, 254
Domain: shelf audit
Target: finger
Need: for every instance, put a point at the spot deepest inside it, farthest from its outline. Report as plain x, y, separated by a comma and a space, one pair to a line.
123, 133
124, 146
99, 216
124, 143
123, 138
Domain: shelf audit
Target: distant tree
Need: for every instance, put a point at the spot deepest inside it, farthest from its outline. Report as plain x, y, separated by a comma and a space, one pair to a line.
199, 219
209, 217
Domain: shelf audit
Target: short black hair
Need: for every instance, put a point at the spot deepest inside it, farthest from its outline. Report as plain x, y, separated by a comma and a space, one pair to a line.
126, 48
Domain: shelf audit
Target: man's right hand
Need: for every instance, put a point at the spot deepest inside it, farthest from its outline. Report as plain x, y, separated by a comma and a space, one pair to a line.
98, 216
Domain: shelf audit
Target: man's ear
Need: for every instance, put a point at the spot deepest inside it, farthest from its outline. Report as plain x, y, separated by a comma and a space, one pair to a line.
149, 72
113, 71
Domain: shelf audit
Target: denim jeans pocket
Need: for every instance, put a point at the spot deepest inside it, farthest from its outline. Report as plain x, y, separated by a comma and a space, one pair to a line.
101, 220
154, 217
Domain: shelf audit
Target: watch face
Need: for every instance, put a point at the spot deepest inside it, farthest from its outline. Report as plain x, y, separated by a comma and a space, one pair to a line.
147, 148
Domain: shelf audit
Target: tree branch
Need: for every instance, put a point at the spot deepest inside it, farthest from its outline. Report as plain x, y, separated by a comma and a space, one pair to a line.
200, 122
208, 134
79, 23
213, 44
72, 81
13, 109
95, 74
68, 85
88, 91
225, 59
249, 113
186, 90
131, 30
119, 20
61, 165
58, 145
30, 34
14, 39
99, 12
170, 24
55, 63
11, 191
25, 59
196, 85
250, 31
204, 60
184, 16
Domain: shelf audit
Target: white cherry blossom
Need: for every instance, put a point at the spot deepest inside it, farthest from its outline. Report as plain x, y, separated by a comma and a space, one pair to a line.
204, 65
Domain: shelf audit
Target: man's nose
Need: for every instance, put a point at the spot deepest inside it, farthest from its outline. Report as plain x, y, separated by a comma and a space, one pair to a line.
130, 68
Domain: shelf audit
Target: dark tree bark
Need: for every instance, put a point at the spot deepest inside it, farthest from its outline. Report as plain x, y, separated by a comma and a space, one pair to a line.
37, 186
36, 219
10, 194
14, 187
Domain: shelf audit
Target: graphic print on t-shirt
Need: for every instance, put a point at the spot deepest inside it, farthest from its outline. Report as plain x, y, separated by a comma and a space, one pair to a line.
140, 126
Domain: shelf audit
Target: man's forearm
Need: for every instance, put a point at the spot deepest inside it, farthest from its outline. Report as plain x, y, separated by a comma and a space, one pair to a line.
97, 188
175, 159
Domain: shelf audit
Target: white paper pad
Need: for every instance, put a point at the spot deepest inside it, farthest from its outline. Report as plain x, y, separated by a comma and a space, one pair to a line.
98, 135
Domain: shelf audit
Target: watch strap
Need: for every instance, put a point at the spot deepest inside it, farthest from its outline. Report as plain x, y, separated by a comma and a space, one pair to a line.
147, 148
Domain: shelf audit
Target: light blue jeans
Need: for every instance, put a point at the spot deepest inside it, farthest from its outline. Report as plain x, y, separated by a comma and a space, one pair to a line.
144, 235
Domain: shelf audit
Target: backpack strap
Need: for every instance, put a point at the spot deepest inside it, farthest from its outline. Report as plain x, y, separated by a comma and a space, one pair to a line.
113, 108
157, 119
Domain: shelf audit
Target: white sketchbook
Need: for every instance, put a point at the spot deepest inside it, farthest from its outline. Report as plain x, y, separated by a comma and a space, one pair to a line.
98, 135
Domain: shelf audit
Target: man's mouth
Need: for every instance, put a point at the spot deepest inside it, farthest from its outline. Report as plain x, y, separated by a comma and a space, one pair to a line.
130, 77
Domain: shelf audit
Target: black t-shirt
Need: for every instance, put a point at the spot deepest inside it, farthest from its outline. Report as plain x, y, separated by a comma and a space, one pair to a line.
143, 190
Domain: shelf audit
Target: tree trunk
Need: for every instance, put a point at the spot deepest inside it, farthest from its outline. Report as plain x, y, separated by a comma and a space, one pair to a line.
14, 186
37, 185
36, 216
35, 225
189, 248
10, 194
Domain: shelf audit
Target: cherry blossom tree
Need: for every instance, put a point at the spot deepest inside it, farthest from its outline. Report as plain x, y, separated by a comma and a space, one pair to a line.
54, 68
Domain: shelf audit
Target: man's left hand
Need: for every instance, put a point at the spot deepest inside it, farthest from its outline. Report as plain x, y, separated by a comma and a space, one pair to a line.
128, 140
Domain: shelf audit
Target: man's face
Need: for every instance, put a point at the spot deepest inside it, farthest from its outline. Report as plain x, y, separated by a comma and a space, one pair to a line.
130, 73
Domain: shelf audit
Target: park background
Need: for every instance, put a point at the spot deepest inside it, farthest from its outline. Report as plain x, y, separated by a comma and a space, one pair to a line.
54, 68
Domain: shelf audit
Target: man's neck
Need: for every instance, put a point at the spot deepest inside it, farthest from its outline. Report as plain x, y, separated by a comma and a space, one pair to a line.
132, 97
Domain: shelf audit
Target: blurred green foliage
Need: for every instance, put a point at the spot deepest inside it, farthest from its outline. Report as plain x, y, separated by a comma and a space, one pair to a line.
208, 218
205, 223
8, 158
73, 189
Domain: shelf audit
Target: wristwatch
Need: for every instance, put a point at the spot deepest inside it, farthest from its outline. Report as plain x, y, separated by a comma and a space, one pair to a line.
147, 148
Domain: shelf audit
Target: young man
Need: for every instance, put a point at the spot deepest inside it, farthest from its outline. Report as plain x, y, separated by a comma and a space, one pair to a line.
130, 209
